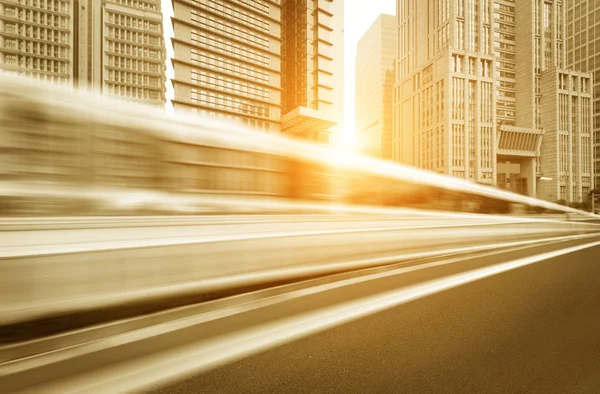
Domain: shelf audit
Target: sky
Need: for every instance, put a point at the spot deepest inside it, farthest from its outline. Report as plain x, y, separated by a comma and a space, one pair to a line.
358, 16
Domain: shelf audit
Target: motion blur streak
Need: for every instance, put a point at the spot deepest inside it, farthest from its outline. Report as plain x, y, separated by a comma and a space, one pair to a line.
194, 358
120, 223
82, 155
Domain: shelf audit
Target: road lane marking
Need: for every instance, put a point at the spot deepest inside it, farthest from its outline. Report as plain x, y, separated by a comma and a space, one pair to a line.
80, 247
252, 279
194, 358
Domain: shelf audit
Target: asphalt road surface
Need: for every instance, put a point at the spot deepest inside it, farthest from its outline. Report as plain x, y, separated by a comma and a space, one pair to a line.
535, 329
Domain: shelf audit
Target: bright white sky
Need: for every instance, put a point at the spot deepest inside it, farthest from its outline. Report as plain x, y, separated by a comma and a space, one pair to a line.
358, 16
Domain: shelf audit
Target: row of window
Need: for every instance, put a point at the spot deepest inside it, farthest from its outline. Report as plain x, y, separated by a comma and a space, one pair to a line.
140, 4
133, 50
52, 78
239, 15
134, 64
229, 103
210, 60
133, 22
133, 92
250, 122
36, 32
230, 85
37, 64
34, 48
221, 45
133, 36
197, 154
61, 6
132, 78
472, 66
38, 17
229, 29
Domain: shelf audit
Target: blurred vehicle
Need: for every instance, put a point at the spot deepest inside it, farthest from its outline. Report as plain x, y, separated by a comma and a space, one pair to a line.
64, 152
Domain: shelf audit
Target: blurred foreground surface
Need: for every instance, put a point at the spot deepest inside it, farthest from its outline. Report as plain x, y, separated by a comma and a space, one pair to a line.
144, 252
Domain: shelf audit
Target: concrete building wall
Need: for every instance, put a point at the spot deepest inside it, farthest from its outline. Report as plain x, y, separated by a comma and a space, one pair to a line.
490, 57
312, 66
445, 73
37, 39
271, 65
111, 47
583, 54
567, 146
375, 78
227, 60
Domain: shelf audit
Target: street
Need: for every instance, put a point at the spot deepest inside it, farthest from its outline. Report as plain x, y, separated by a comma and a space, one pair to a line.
530, 330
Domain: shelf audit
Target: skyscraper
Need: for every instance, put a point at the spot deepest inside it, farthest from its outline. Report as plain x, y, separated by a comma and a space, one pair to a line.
120, 49
37, 40
227, 60
583, 45
262, 63
113, 47
460, 111
375, 79
312, 67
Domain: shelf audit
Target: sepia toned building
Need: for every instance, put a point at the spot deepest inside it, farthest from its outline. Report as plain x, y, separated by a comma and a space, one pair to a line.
227, 60
312, 66
583, 54
37, 39
375, 79
483, 94
112, 47
266, 64
121, 49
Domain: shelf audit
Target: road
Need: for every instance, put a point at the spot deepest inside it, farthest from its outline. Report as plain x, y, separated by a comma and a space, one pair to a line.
520, 316
534, 329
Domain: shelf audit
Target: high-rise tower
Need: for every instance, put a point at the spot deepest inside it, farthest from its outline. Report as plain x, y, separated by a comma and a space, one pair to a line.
375, 79
37, 39
460, 111
271, 65
112, 47
583, 45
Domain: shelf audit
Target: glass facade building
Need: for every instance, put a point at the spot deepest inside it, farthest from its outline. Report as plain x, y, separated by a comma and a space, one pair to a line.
375, 78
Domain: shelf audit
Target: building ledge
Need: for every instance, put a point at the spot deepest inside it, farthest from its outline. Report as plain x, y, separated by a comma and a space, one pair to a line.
303, 121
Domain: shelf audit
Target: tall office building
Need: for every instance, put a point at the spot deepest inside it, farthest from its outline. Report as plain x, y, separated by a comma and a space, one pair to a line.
113, 47
375, 79
312, 54
262, 63
120, 49
460, 111
36, 39
227, 60
583, 45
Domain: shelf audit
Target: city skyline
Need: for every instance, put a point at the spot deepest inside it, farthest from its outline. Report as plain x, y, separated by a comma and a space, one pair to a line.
459, 110
357, 20
269, 65
281, 66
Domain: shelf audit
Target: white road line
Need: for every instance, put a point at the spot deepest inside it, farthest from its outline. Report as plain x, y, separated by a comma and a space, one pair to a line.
35, 250
195, 358
257, 278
